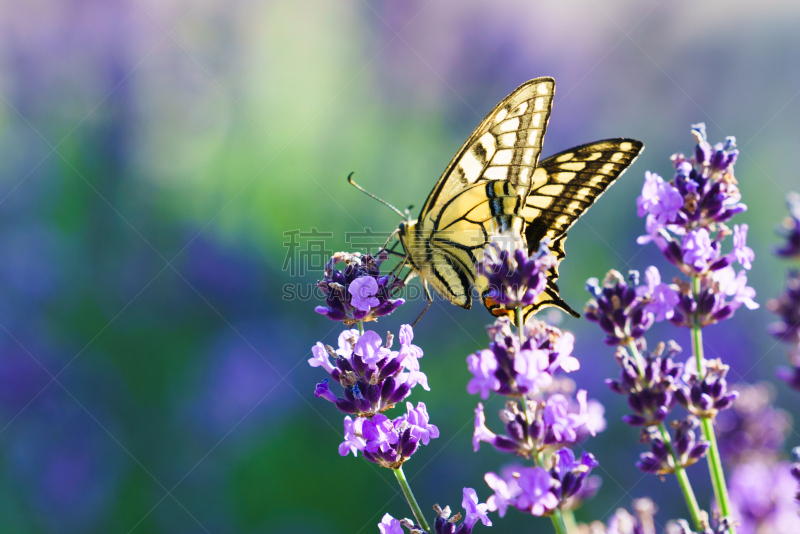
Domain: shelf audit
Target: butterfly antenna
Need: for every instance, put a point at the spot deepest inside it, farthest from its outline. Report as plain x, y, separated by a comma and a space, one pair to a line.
354, 184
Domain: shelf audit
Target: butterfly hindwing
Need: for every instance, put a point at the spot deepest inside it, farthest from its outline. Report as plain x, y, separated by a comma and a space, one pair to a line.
564, 187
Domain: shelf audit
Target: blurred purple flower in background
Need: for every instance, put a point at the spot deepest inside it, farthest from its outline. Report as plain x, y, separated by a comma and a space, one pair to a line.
763, 496
754, 427
791, 229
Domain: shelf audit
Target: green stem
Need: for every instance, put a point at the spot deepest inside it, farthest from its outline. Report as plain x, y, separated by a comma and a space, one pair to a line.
714, 460
361, 327
556, 518
520, 324
569, 521
412, 502
683, 480
680, 471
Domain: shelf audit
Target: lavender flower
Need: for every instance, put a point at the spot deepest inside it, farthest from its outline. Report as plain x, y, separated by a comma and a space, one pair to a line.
536, 490
704, 183
514, 278
536, 496
358, 292
474, 512
721, 294
651, 391
686, 217
686, 447
549, 424
510, 369
373, 376
445, 523
390, 525
791, 229
625, 310
570, 473
389, 443
706, 395
353, 440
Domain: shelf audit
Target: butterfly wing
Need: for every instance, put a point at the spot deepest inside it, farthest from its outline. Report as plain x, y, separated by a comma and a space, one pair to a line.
450, 243
564, 187
505, 146
481, 191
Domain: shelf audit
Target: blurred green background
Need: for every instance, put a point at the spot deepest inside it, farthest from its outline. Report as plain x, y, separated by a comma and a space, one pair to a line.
156, 158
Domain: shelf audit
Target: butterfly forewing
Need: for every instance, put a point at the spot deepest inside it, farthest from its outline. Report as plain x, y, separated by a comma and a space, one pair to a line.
505, 146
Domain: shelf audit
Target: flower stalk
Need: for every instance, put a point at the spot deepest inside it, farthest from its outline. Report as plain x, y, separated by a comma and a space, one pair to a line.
680, 471
707, 424
412, 502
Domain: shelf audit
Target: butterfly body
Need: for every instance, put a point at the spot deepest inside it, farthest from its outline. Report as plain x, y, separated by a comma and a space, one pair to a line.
495, 183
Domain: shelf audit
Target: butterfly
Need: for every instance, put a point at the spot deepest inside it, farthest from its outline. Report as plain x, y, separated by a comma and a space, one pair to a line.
495, 183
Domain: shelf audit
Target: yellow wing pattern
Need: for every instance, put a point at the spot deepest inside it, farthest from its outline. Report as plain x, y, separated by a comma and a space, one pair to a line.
564, 187
505, 146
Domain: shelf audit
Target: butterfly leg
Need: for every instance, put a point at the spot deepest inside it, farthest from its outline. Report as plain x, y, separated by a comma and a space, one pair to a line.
429, 297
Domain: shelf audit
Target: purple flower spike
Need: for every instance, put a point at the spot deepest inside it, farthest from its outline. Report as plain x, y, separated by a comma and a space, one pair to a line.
707, 395
651, 393
721, 293
514, 278
373, 376
686, 446
624, 310
686, 217
358, 292
513, 370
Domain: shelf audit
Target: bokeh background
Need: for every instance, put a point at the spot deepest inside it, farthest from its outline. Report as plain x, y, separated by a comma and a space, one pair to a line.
157, 158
